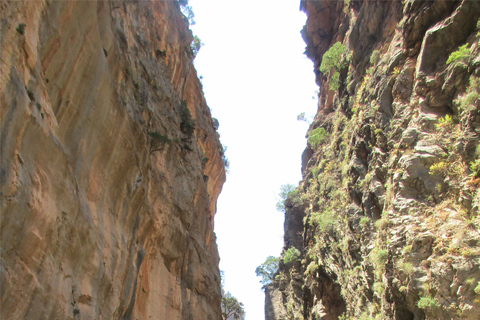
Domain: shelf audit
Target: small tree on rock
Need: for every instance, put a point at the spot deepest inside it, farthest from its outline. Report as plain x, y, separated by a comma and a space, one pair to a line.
267, 270
231, 308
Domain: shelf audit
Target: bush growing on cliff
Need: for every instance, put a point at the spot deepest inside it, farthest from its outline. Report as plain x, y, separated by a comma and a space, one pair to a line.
364, 222
215, 123
157, 141
325, 221
267, 270
286, 191
21, 28
290, 255
231, 307
461, 55
317, 137
196, 45
187, 124
375, 57
331, 63
188, 12
225, 160
427, 303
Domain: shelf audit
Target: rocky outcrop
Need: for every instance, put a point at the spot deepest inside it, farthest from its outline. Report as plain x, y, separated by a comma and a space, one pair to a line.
388, 208
110, 164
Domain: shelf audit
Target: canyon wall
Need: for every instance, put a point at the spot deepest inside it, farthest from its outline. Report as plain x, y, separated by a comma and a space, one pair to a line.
386, 219
110, 164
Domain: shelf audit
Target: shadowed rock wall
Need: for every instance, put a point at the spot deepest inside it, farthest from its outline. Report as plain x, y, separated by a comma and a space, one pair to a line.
388, 209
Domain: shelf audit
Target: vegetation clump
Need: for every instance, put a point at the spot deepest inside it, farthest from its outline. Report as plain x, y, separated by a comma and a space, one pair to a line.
232, 308
21, 28
317, 137
267, 270
196, 45
291, 255
187, 124
158, 140
427, 303
325, 221
460, 56
331, 64
286, 191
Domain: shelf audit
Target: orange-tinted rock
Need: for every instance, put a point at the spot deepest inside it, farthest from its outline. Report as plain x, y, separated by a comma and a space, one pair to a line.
106, 205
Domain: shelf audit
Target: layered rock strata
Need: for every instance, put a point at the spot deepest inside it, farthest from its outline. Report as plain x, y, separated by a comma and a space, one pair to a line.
387, 215
110, 164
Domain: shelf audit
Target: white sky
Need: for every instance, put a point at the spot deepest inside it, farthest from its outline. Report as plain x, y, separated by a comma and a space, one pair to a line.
256, 81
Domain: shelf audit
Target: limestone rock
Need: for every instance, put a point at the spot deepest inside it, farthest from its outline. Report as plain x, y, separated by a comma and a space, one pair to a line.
105, 209
394, 233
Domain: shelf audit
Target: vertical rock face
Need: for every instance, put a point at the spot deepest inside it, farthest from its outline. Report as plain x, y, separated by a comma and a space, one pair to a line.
110, 164
387, 215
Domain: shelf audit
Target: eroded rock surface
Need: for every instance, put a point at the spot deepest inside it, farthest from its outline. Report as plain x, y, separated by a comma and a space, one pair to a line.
388, 209
110, 164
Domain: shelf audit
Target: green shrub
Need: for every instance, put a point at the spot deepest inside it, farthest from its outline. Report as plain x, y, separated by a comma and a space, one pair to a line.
475, 168
374, 57
379, 257
225, 160
196, 45
286, 190
325, 221
317, 137
187, 125
331, 60
407, 249
215, 123
461, 55
21, 28
188, 12
477, 288
407, 267
311, 268
334, 81
158, 141
439, 167
470, 99
427, 303
364, 221
31, 95
290, 255
445, 123
267, 270
378, 288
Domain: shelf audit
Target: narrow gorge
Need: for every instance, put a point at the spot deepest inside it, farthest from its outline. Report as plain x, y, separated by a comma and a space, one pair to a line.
111, 165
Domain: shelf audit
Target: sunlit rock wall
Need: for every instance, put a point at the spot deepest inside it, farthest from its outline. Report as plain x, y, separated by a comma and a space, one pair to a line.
107, 196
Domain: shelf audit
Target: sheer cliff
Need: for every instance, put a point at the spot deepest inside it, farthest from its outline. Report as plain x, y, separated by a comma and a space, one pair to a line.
110, 164
386, 219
